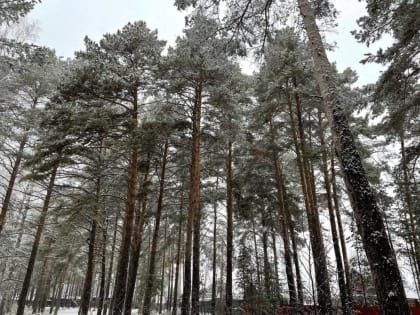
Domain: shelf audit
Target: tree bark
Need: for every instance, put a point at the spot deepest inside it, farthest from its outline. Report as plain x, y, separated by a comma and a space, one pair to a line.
87, 286
152, 262
162, 281
194, 217
369, 219
413, 232
296, 261
35, 245
283, 222
103, 269
57, 302
195, 202
345, 303
42, 281
229, 231
111, 264
276, 268
11, 184
341, 233
178, 253
317, 242
257, 256
170, 279
123, 260
214, 271
266, 263
136, 243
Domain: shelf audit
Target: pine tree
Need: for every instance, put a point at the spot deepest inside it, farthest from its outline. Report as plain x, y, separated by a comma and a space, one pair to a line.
195, 64
390, 290
13, 10
116, 70
25, 88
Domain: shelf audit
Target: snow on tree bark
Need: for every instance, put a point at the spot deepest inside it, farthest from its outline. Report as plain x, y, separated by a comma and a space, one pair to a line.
40, 228
123, 261
152, 261
369, 219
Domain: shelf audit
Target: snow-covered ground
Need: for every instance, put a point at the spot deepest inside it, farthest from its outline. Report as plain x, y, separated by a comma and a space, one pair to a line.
75, 310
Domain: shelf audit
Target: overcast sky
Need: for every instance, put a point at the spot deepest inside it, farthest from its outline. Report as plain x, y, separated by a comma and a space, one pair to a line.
64, 24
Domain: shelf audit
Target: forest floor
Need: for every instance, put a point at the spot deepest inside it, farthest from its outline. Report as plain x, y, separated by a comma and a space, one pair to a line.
92, 311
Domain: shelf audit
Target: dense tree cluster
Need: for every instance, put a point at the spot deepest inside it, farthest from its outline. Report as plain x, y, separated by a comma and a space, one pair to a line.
167, 180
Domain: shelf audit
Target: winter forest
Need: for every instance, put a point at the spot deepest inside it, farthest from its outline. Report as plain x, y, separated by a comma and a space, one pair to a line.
141, 177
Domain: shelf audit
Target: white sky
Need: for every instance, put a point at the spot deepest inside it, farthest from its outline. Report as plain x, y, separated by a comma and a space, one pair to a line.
64, 24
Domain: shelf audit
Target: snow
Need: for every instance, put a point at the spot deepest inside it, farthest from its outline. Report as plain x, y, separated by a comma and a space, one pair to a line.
92, 311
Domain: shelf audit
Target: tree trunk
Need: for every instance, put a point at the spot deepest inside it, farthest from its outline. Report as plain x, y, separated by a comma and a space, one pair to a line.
317, 242
87, 286
170, 279
178, 254
103, 269
57, 302
41, 285
152, 262
111, 264
136, 243
413, 232
221, 286
369, 219
295, 259
23, 220
345, 303
214, 272
341, 233
266, 266
35, 245
257, 256
283, 222
195, 202
162, 281
229, 231
194, 217
123, 260
11, 184
276, 268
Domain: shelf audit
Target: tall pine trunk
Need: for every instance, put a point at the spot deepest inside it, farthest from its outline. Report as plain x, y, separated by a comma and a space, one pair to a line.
103, 268
87, 286
123, 260
42, 281
111, 264
35, 245
341, 233
345, 303
276, 268
195, 202
12, 180
170, 279
194, 218
214, 267
413, 227
137, 243
266, 264
369, 219
162, 280
296, 260
257, 256
317, 242
229, 230
178, 253
155, 239
283, 222
57, 302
